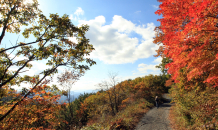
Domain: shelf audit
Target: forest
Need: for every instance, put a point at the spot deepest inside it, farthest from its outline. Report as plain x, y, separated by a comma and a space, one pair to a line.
187, 39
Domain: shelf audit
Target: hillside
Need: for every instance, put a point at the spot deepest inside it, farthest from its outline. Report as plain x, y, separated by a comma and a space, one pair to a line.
123, 105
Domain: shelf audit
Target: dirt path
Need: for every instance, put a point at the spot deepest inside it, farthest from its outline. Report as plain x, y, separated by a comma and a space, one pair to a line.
156, 119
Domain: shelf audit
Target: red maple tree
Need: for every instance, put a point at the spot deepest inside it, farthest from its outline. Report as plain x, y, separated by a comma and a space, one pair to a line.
189, 35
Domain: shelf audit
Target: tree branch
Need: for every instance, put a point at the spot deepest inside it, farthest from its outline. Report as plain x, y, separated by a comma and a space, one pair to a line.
30, 59
48, 73
40, 39
20, 45
5, 24
10, 63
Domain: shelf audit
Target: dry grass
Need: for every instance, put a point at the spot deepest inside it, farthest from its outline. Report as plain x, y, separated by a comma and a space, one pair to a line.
126, 119
133, 113
174, 121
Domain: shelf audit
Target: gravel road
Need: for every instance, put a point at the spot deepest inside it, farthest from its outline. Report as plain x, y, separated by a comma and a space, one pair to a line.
156, 119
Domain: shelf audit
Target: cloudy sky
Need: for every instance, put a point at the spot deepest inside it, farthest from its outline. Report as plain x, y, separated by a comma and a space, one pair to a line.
121, 32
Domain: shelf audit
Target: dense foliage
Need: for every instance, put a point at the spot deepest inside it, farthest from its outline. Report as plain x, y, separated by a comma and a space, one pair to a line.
188, 32
188, 37
35, 111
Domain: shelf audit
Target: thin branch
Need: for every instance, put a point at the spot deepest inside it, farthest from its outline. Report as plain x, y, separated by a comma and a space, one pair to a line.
21, 45
12, 108
13, 45
24, 71
12, 77
14, 57
40, 39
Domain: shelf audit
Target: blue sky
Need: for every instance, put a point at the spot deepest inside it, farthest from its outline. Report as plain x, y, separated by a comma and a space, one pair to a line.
121, 32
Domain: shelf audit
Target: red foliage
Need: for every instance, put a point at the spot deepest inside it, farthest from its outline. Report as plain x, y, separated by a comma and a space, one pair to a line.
189, 34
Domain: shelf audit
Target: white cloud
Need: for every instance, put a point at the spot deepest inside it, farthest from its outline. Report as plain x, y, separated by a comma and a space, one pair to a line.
112, 42
73, 39
132, 77
76, 14
84, 86
149, 68
158, 60
79, 11
155, 6
143, 68
73, 18
138, 12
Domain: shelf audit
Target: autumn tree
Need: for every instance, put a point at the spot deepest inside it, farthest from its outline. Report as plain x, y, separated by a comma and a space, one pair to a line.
67, 80
81, 117
113, 90
188, 33
36, 111
51, 44
188, 36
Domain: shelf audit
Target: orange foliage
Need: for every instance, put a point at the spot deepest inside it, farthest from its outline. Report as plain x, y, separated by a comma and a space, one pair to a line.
33, 112
189, 34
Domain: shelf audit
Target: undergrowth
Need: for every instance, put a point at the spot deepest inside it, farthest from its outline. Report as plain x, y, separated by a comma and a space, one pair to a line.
126, 119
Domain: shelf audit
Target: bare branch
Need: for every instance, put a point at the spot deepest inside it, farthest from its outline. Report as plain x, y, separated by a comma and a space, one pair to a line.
13, 45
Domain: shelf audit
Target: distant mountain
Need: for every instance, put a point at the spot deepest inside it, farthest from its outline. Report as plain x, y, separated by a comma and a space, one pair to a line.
75, 94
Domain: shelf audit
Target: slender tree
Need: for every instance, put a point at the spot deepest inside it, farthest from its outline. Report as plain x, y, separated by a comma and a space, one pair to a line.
67, 79
113, 91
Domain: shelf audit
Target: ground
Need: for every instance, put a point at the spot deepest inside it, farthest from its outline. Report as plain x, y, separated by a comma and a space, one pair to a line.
156, 118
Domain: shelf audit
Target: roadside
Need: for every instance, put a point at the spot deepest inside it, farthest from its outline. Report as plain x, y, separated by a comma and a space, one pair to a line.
156, 119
